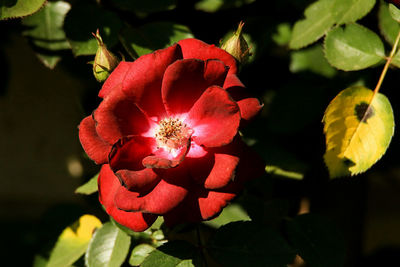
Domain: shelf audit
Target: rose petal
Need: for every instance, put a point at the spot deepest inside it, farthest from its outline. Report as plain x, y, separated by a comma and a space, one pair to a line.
232, 81
185, 81
108, 186
161, 199
164, 159
215, 118
128, 152
118, 116
95, 147
193, 48
138, 181
249, 108
115, 79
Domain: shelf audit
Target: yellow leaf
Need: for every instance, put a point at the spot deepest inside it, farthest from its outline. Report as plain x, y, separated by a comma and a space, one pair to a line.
73, 241
358, 127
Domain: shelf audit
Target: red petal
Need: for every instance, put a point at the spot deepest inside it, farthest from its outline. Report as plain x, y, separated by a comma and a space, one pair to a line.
138, 181
128, 152
118, 116
164, 160
249, 108
161, 199
185, 81
95, 147
142, 79
215, 118
193, 48
115, 79
108, 186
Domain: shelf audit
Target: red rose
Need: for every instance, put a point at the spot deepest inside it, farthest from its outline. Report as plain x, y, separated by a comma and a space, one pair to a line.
166, 133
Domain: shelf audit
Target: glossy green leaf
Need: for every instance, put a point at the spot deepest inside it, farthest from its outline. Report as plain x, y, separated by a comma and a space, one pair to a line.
311, 59
171, 254
108, 247
318, 20
387, 25
394, 12
139, 253
45, 27
83, 20
250, 244
358, 127
88, 188
317, 241
346, 11
152, 36
14, 8
231, 213
73, 241
353, 47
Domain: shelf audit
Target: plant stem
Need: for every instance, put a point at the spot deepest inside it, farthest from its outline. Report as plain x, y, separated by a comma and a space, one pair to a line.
388, 61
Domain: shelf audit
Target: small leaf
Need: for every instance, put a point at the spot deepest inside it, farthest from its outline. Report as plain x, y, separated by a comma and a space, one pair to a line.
311, 59
353, 48
108, 247
14, 8
88, 188
83, 20
171, 254
250, 244
283, 34
394, 12
318, 20
317, 241
396, 60
215, 5
231, 213
50, 60
346, 11
152, 36
358, 127
45, 27
387, 25
139, 253
73, 241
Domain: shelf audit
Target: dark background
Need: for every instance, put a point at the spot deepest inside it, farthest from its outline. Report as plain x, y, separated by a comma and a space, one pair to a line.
42, 162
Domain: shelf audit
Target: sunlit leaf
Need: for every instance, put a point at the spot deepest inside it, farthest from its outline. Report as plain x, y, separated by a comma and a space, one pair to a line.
171, 254
318, 20
83, 20
152, 36
353, 47
108, 247
250, 244
311, 59
139, 253
215, 5
88, 188
73, 241
358, 127
15, 8
346, 11
45, 27
283, 34
387, 25
231, 213
394, 12
317, 241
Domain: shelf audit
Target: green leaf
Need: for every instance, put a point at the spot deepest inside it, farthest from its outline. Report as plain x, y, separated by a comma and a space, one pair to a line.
45, 26
73, 241
318, 20
215, 5
396, 60
108, 247
39, 261
50, 60
249, 244
283, 34
358, 127
346, 11
152, 36
14, 8
88, 188
317, 241
387, 25
139, 253
83, 20
231, 213
311, 59
353, 48
171, 254
394, 12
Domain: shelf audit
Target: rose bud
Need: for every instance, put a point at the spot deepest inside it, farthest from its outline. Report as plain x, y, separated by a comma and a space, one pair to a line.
167, 136
237, 46
104, 62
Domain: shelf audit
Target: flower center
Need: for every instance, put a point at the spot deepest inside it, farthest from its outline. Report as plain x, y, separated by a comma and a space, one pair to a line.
171, 134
